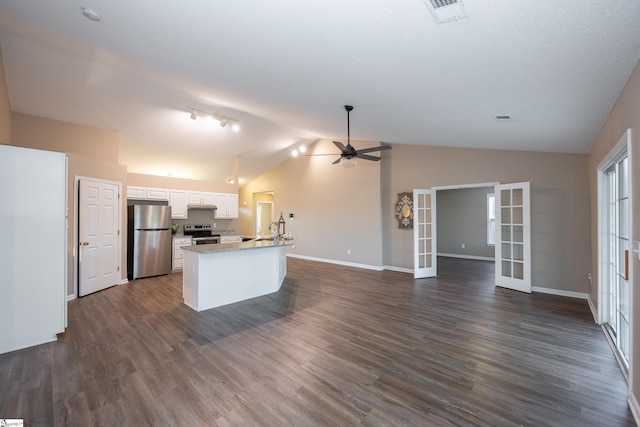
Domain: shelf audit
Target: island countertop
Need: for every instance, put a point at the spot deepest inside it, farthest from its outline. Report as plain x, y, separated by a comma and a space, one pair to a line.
238, 246
224, 273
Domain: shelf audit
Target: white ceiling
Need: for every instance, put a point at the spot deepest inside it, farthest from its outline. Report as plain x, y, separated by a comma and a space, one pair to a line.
285, 69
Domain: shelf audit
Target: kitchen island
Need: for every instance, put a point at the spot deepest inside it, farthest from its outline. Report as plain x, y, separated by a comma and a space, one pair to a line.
220, 274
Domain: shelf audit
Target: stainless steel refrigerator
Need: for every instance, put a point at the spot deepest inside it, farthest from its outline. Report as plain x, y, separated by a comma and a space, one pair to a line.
149, 241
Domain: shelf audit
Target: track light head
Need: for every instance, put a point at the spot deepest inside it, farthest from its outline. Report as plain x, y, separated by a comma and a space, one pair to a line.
223, 122
194, 115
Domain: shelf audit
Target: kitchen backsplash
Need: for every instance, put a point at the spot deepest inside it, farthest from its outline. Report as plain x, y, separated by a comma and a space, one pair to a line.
197, 216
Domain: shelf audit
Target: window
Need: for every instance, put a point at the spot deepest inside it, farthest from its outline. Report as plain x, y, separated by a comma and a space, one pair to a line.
491, 219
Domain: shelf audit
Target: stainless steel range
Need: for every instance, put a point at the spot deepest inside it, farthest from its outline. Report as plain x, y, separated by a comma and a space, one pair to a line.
201, 234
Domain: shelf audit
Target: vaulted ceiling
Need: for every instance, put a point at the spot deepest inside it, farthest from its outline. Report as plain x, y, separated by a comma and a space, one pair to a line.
285, 69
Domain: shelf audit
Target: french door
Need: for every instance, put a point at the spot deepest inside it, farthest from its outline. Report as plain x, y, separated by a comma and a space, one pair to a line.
513, 236
615, 240
425, 260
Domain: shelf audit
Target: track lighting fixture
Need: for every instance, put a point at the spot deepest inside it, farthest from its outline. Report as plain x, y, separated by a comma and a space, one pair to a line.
235, 124
300, 148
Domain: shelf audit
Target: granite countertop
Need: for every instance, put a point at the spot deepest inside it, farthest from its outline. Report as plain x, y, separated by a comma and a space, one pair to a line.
238, 246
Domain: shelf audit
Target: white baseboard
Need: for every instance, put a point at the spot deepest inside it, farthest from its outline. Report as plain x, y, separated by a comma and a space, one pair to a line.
333, 261
398, 269
122, 282
478, 258
633, 405
594, 311
559, 292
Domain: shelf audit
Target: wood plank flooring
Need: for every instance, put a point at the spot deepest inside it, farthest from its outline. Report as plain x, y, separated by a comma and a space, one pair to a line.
335, 346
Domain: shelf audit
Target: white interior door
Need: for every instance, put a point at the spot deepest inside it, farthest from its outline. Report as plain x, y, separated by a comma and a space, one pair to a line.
424, 234
99, 236
513, 236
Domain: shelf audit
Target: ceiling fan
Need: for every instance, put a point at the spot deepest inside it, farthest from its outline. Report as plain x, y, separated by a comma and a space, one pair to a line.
348, 154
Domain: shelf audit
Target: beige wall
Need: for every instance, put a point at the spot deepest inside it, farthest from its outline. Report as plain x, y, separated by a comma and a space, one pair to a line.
559, 203
336, 209
47, 134
5, 107
625, 115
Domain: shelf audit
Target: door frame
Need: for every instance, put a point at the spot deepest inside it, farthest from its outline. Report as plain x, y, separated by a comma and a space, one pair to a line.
434, 191
623, 144
76, 225
257, 219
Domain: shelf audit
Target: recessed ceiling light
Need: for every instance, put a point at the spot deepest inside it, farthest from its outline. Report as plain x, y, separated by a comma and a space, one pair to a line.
91, 14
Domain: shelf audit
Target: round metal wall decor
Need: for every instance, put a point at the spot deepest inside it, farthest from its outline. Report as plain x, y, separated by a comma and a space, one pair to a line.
404, 210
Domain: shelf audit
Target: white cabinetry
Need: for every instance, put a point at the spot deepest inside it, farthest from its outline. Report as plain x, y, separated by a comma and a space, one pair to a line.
200, 198
177, 254
178, 203
157, 194
227, 206
136, 192
33, 248
144, 193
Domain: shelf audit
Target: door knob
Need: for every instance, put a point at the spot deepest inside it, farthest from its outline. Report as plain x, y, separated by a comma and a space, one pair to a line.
85, 243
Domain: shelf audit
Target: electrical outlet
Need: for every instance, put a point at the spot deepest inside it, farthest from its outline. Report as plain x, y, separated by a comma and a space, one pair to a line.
348, 251
464, 246
214, 225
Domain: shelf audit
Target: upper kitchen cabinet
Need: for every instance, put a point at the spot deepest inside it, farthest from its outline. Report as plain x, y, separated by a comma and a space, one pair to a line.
158, 194
178, 203
144, 193
136, 192
227, 206
200, 198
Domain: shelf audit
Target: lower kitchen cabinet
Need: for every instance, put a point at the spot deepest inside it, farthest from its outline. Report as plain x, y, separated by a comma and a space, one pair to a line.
176, 254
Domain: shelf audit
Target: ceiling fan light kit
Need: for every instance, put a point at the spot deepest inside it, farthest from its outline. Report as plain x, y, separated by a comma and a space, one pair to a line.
349, 155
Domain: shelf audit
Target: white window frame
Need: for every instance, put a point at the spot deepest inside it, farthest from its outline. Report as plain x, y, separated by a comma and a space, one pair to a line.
491, 219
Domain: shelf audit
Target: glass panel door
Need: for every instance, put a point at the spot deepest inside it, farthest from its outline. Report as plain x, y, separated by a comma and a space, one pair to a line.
424, 233
513, 242
616, 189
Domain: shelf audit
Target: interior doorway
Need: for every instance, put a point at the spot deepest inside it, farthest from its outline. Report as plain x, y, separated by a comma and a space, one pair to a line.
615, 229
98, 234
263, 211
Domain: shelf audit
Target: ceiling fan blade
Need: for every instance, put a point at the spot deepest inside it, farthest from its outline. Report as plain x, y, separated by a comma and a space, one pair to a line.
322, 154
368, 157
340, 145
372, 149
337, 161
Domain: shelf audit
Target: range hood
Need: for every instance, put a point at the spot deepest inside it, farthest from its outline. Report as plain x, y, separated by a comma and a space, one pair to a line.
209, 207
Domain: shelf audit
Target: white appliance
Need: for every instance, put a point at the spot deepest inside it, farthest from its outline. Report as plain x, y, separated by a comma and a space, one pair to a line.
33, 247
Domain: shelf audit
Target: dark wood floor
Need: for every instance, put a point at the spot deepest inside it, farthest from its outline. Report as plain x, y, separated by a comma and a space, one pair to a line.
335, 346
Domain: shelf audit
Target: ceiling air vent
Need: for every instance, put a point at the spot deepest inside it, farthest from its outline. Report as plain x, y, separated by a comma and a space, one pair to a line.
503, 118
446, 10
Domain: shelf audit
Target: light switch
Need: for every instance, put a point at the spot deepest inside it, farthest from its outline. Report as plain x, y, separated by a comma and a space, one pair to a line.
636, 250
